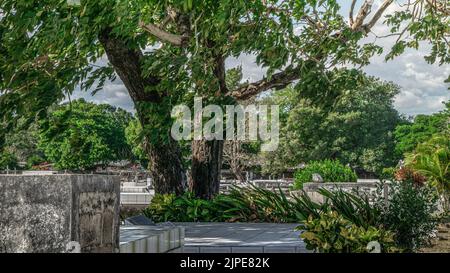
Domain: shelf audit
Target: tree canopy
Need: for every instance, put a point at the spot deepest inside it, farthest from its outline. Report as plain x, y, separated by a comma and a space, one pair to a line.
81, 135
409, 135
354, 124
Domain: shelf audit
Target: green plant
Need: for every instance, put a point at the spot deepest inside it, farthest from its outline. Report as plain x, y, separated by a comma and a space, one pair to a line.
34, 160
253, 204
332, 233
184, 208
8, 161
352, 206
409, 212
161, 208
432, 160
388, 173
261, 205
329, 170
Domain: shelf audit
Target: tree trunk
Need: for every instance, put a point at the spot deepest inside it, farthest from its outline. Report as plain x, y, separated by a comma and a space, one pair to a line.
207, 155
206, 165
164, 154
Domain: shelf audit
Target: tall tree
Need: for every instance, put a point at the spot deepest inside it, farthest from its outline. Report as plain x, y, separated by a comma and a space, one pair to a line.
162, 49
81, 135
409, 135
354, 123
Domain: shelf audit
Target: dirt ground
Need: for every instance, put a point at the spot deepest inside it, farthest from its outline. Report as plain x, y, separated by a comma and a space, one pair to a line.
442, 243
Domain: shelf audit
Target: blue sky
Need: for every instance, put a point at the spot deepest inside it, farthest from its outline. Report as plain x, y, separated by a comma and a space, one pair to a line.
423, 87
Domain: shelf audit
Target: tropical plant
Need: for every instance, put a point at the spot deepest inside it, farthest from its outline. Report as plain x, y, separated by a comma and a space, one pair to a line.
184, 208
353, 206
432, 160
329, 170
253, 204
409, 212
332, 233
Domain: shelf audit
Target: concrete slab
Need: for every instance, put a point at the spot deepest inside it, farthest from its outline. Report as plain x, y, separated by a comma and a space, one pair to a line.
150, 239
241, 238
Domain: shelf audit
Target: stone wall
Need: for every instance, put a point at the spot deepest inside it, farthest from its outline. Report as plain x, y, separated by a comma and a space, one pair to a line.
368, 188
44, 213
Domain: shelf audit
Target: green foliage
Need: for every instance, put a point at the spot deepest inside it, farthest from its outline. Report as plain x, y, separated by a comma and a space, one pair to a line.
135, 139
410, 213
34, 160
81, 135
432, 159
352, 120
353, 206
184, 208
253, 204
332, 233
8, 161
259, 205
408, 136
240, 205
329, 170
22, 142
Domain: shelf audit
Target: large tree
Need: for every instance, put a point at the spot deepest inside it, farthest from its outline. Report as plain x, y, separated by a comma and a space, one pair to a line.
82, 135
422, 127
163, 49
354, 122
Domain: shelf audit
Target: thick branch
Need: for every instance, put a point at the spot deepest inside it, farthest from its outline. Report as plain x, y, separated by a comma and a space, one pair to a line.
367, 27
162, 35
127, 64
352, 8
439, 7
362, 14
278, 80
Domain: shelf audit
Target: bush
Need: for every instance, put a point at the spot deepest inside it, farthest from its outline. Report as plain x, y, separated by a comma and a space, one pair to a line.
250, 204
330, 170
34, 160
8, 161
409, 213
185, 208
332, 233
431, 159
253, 204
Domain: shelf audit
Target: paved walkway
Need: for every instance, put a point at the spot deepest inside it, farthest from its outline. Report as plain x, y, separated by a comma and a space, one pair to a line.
241, 238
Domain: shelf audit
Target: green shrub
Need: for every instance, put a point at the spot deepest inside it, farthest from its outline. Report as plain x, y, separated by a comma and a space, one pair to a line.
432, 160
34, 160
258, 205
249, 204
253, 204
352, 206
185, 208
332, 233
330, 170
388, 173
410, 213
8, 161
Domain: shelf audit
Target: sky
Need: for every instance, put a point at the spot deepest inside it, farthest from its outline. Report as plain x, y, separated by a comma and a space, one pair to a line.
423, 89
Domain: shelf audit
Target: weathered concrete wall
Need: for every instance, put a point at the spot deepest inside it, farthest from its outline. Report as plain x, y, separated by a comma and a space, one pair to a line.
44, 213
311, 189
